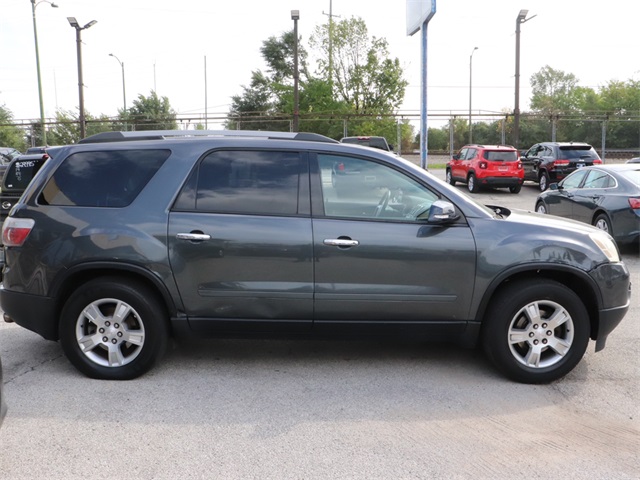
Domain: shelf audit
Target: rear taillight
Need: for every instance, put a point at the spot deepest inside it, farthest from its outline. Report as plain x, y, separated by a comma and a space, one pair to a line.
561, 162
482, 165
597, 161
634, 202
16, 230
519, 165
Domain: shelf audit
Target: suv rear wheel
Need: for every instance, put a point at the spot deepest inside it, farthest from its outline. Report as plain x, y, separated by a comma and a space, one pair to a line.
543, 180
113, 329
536, 331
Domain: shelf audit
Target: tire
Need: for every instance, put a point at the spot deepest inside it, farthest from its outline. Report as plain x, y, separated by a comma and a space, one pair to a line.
472, 184
449, 179
541, 208
543, 180
515, 189
101, 346
536, 331
603, 222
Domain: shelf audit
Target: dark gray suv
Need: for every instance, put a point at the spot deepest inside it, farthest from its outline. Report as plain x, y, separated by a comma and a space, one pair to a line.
127, 239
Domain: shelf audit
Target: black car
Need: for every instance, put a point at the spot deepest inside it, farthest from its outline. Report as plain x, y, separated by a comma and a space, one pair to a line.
129, 238
16, 178
549, 162
607, 196
6, 155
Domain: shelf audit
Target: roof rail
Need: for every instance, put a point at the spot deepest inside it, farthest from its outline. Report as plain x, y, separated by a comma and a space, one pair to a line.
106, 137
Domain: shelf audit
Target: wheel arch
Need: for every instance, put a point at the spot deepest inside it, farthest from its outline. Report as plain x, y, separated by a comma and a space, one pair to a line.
577, 280
599, 211
64, 286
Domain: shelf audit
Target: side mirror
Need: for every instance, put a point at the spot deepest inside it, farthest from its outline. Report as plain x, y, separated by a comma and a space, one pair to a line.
555, 186
456, 157
440, 212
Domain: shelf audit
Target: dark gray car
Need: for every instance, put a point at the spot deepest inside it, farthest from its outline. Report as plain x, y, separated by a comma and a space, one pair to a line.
127, 239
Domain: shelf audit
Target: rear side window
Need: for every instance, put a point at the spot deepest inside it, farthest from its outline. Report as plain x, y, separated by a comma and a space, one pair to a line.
20, 173
500, 156
244, 182
102, 179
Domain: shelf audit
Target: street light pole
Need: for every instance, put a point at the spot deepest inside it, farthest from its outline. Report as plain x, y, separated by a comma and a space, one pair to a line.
124, 94
74, 23
35, 38
470, 79
295, 16
520, 19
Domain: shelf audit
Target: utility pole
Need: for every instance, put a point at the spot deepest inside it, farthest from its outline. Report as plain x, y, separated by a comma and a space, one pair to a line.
330, 15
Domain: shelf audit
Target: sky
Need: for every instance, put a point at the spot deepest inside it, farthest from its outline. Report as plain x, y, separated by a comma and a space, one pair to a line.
163, 46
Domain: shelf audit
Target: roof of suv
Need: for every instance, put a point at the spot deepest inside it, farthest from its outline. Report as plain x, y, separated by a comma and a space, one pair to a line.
566, 144
493, 147
108, 137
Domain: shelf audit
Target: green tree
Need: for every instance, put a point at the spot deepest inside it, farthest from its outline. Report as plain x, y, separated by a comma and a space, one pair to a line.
554, 91
622, 101
367, 96
66, 129
438, 139
10, 135
267, 103
151, 113
362, 74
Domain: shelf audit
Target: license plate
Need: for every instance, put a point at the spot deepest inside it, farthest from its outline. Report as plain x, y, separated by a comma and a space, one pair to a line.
503, 169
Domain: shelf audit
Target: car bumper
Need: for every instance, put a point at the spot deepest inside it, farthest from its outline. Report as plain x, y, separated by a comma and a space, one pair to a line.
614, 282
33, 312
500, 181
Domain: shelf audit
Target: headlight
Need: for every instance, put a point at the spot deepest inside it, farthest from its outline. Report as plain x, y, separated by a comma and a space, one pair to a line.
607, 245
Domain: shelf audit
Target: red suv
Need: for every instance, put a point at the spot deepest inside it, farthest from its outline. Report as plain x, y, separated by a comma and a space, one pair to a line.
486, 166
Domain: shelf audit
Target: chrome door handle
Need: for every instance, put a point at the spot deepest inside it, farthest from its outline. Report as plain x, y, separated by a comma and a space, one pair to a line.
194, 237
340, 242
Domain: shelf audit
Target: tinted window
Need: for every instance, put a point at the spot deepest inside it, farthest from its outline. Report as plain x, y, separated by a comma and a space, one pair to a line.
251, 182
102, 179
357, 188
375, 142
20, 173
500, 155
578, 152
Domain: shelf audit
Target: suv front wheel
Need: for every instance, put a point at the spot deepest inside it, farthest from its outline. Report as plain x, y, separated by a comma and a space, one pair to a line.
113, 329
536, 331
472, 183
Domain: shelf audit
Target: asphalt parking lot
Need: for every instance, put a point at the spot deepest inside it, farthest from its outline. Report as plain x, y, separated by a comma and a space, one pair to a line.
283, 409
